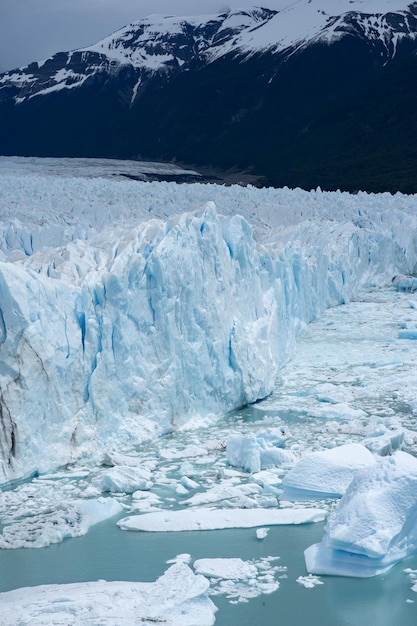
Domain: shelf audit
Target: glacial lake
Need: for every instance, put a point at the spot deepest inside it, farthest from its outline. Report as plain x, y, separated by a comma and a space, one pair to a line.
111, 554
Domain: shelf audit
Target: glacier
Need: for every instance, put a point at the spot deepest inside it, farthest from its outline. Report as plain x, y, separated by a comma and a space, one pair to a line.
129, 309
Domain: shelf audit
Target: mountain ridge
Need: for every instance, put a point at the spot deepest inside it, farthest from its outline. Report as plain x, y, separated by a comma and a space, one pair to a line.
227, 91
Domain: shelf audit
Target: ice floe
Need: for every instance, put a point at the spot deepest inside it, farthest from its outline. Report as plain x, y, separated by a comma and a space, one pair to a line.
58, 522
122, 479
412, 575
261, 533
310, 581
240, 580
255, 453
215, 519
375, 524
177, 597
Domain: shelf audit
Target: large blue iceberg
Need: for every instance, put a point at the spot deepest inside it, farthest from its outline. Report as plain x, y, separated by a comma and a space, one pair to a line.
375, 524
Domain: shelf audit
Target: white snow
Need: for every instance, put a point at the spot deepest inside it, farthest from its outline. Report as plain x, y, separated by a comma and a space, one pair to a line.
215, 519
326, 473
296, 23
177, 597
375, 524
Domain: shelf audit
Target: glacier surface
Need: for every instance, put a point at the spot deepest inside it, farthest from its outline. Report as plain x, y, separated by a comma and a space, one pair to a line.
129, 310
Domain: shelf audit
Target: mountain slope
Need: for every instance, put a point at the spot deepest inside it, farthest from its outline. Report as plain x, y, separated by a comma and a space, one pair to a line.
300, 97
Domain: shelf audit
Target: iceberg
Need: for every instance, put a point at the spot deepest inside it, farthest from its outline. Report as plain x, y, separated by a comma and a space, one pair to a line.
384, 441
375, 524
327, 473
122, 479
177, 597
129, 309
255, 453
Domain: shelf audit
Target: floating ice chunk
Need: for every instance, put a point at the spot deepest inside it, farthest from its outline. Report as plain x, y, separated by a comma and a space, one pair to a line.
191, 450
244, 452
123, 479
116, 458
412, 574
404, 283
224, 491
333, 394
187, 470
339, 410
265, 478
145, 502
181, 558
240, 580
375, 525
261, 533
309, 581
326, 473
253, 454
234, 569
177, 597
188, 483
275, 436
210, 519
386, 441
53, 526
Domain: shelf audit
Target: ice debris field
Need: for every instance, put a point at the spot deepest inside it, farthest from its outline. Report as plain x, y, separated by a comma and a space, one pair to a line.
138, 320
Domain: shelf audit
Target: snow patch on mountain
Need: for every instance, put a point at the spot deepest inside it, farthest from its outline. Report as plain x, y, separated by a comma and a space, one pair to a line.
163, 44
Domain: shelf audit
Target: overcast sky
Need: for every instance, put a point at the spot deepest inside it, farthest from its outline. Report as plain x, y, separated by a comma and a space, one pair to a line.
32, 30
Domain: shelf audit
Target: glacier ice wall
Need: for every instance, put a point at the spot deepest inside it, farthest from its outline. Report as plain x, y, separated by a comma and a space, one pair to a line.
130, 309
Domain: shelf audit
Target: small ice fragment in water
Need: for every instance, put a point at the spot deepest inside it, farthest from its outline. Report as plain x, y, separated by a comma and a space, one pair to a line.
309, 581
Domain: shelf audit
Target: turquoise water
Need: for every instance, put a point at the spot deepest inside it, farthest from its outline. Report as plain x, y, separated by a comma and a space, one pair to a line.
111, 554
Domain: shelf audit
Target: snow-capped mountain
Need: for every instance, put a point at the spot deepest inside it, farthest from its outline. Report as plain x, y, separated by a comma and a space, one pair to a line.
272, 84
167, 45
